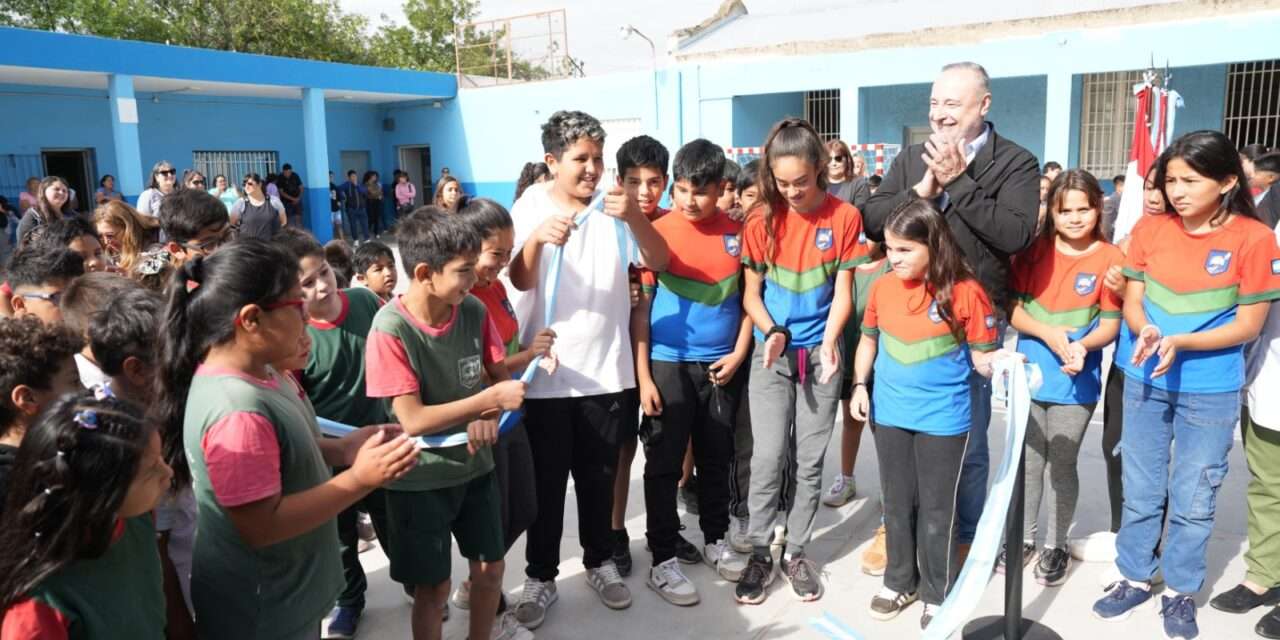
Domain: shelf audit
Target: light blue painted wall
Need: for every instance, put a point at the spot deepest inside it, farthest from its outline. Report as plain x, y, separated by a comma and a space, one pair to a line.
1017, 110
754, 115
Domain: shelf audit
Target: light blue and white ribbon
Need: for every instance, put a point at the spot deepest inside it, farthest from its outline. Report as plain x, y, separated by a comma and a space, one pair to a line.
508, 419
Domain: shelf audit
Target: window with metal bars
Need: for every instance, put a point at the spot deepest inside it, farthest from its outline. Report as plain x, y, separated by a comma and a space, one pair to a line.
234, 164
1252, 114
822, 110
1106, 121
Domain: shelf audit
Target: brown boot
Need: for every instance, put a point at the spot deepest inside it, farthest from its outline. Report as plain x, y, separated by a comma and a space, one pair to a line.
876, 557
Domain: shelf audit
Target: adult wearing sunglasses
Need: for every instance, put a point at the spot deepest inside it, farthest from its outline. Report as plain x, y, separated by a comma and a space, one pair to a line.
258, 214
164, 180
843, 181
192, 179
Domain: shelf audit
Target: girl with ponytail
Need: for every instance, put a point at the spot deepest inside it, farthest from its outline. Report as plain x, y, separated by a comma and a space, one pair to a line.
266, 560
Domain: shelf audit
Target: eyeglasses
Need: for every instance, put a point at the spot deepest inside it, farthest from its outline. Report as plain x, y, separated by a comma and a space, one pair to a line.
212, 244
52, 298
198, 182
250, 183
840, 158
167, 172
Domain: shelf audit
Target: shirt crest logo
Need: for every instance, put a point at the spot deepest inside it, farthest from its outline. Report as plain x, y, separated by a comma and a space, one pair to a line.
862, 237
732, 245
1086, 283
991, 321
934, 314
824, 239
1218, 262
469, 371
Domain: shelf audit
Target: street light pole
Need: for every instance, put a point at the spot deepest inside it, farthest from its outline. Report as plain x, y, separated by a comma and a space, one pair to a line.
626, 31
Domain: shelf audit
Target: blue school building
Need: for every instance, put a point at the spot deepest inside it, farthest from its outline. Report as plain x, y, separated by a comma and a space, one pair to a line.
83, 107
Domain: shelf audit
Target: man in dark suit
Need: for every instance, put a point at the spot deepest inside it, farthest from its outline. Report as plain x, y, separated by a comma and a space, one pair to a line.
987, 188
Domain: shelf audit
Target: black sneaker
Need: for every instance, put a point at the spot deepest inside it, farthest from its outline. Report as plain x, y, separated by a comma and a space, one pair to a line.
756, 578
802, 573
686, 552
1269, 625
621, 555
1028, 554
887, 604
1242, 599
1052, 568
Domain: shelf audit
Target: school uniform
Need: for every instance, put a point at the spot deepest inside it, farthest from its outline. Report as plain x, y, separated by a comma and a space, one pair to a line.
1193, 283
1260, 427
695, 317
1061, 290
116, 596
450, 492
922, 419
799, 269
248, 439
334, 380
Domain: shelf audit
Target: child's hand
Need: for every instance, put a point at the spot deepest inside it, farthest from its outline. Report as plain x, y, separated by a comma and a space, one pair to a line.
983, 362
480, 434
508, 394
1146, 344
382, 459
1058, 339
555, 230
542, 342
1076, 363
635, 294
859, 404
1168, 352
773, 347
619, 204
352, 442
1114, 280
650, 398
829, 363
722, 371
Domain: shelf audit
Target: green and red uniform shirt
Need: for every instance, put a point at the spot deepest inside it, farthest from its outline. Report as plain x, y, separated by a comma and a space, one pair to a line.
334, 377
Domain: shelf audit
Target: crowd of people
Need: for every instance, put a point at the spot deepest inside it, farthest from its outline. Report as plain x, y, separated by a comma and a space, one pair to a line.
163, 471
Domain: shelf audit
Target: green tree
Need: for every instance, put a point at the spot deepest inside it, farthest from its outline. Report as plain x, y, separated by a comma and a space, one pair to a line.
426, 41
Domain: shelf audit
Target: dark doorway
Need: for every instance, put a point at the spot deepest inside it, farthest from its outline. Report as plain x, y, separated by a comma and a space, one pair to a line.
76, 166
416, 161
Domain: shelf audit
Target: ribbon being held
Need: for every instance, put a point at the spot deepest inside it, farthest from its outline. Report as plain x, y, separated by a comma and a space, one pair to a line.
509, 418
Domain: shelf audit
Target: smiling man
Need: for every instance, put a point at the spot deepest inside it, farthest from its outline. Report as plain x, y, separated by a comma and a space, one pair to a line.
987, 188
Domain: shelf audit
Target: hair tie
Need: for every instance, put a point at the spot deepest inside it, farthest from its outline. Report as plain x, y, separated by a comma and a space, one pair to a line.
48, 491
87, 419
103, 392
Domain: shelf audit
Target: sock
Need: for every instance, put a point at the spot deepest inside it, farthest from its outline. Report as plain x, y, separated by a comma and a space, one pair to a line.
847, 479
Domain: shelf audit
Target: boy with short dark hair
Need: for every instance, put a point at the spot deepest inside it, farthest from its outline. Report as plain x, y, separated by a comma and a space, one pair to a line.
730, 195
428, 353
123, 337
375, 268
74, 233
642, 172
35, 368
338, 324
574, 417
193, 223
689, 368
38, 275
84, 297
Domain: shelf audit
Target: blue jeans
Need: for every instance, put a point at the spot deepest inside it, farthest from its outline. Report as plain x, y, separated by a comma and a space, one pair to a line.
972, 493
358, 224
1200, 428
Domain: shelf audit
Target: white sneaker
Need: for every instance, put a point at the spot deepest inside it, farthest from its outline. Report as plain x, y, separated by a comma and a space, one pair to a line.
725, 560
779, 529
607, 582
841, 492
535, 599
671, 583
462, 596
738, 538
507, 628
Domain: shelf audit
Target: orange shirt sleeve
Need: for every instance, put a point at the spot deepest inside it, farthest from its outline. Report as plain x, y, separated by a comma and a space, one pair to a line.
1259, 269
869, 317
755, 244
1109, 302
32, 620
852, 253
648, 280
974, 309
1135, 263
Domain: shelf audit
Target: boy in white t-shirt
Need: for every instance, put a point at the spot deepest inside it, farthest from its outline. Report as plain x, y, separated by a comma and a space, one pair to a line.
575, 417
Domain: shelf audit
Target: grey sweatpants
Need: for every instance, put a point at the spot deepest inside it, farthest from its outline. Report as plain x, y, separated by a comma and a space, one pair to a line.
1054, 432
779, 403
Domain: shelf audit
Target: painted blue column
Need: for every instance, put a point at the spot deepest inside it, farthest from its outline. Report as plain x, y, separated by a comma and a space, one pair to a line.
315, 135
124, 135
849, 96
1057, 119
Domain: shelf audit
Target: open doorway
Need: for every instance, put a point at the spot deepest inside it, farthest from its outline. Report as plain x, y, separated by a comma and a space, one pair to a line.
415, 160
77, 167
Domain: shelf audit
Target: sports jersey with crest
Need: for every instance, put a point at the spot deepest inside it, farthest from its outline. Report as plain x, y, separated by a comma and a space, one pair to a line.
801, 263
1063, 290
697, 302
1196, 283
921, 371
